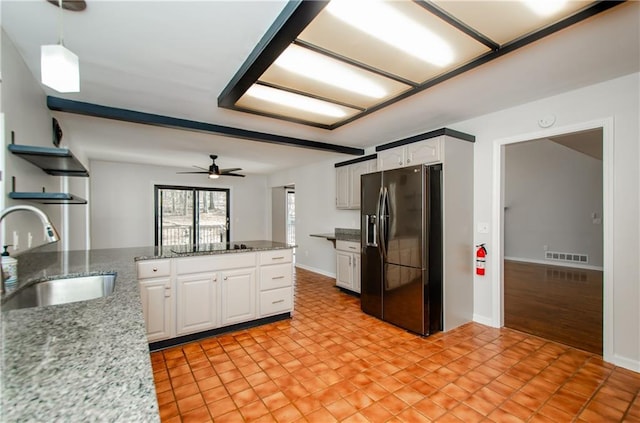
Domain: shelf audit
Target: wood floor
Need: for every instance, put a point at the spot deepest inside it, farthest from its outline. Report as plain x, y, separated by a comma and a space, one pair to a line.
558, 303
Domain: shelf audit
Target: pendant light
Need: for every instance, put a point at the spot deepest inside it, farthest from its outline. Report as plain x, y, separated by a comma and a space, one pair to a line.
59, 67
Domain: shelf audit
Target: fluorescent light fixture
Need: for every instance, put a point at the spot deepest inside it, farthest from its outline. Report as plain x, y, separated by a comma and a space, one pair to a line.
387, 24
320, 68
213, 176
545, 7
59, 68
295, 101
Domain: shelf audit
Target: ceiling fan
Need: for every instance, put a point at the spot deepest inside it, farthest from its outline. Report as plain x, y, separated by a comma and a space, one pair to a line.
215, 172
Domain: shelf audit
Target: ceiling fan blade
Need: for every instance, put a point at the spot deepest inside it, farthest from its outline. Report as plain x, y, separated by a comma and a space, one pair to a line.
202, 168
232, 169
233, 174
194, 172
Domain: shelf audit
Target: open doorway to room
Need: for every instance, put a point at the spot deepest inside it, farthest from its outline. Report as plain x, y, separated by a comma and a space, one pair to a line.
283, 214
553, 238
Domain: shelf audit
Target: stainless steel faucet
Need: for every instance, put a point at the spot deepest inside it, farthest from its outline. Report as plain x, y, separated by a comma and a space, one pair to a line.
50, 231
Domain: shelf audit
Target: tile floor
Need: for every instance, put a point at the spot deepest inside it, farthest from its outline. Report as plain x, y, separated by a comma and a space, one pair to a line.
331, 362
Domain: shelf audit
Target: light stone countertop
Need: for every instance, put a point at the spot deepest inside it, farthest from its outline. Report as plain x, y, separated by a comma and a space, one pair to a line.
89, 360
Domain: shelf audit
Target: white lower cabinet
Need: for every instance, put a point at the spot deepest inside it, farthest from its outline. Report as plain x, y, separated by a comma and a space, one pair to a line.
156, 296
196, 302
238, 296
276, 283
156, 307
348, 265
186, 295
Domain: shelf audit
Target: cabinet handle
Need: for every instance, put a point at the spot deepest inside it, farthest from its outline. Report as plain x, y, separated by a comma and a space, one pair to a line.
155, 269
349, 260
167, 291
278, 301
226, 277
278, 277
277, 258
215, 279
408, 160
400, 162
353, 248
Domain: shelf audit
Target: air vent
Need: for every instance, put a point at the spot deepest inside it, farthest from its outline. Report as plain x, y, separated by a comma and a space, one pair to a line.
568, 257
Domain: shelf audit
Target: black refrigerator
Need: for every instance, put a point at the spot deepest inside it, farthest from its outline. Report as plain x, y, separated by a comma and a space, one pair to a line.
401, 230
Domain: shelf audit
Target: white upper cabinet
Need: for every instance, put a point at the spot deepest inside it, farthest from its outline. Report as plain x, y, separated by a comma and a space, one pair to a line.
421, 152
348, 183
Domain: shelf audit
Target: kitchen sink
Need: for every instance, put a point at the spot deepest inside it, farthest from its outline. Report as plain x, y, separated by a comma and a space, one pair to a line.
61, 291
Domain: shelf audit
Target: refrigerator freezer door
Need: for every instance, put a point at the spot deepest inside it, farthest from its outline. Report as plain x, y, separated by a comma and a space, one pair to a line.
403, 216
371, 259
404, 300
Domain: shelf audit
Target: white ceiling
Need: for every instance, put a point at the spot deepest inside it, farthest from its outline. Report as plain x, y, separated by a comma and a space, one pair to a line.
175, 57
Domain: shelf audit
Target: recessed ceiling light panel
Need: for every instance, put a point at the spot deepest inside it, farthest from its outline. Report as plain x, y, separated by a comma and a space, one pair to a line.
271, 101
384, 22
328, 71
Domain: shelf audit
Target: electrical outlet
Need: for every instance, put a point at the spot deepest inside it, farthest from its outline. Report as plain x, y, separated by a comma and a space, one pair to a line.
29, 239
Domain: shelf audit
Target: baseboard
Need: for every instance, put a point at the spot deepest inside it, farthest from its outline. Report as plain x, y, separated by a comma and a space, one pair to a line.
483, 320
555, 263
315, 270
627, 363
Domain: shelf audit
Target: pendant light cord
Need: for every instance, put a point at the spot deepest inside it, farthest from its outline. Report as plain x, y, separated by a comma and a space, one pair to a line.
60, 26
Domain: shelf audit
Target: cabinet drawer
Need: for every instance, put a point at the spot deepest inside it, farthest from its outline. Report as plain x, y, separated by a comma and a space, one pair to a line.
275, 257
275, 301
276, 276
153, 268
350, 246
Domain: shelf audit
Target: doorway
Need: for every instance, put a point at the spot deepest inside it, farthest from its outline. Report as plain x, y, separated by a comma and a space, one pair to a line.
283, 214
552, 261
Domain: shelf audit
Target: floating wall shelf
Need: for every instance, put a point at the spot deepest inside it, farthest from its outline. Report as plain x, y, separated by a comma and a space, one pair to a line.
48, 197
54, 161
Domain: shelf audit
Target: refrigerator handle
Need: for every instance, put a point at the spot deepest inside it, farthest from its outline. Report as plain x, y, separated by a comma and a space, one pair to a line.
371, 230
382, 216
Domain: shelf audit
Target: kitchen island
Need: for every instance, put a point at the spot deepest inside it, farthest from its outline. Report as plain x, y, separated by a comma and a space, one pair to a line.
83, 361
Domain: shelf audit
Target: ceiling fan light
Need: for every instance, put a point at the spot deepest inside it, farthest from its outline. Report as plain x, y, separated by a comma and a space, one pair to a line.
59, 68
320, 68
294, 101
213, 176
382, 21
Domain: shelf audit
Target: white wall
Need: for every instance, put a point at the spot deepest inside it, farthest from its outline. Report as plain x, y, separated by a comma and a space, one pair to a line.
551, 193
122, 206
617, 100
25, 112
279, 214
316, 213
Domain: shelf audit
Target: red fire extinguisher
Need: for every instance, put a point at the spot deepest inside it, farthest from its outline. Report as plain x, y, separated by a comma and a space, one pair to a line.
481, 254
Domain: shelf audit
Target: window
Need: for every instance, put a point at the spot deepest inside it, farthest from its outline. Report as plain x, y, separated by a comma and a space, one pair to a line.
291, 217
190, 216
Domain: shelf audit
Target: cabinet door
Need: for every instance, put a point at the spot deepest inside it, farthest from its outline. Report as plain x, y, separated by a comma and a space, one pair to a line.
355, 171
196, 302
356, 273
342, 187
423, 152
156, 307
344, 269
238, 296
391, 159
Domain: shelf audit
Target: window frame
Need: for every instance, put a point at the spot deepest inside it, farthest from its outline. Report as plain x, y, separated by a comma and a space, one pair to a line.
195, 206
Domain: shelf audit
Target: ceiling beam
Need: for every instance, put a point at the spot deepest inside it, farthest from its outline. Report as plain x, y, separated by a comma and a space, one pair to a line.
106, 112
